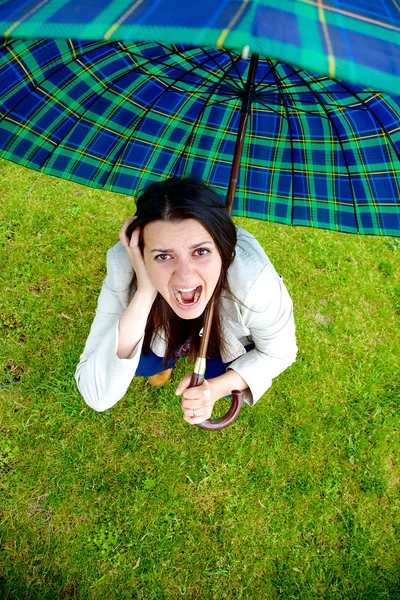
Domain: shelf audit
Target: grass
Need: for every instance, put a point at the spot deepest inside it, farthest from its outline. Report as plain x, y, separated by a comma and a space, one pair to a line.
299, 499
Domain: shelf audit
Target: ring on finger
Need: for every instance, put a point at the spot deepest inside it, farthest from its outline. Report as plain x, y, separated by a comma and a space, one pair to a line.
194, 413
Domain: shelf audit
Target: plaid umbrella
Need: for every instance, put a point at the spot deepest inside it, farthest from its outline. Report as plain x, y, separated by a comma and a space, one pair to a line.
319, 152
357, 40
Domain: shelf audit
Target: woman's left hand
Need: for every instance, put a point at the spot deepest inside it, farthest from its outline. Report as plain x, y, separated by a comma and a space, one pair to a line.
197, 402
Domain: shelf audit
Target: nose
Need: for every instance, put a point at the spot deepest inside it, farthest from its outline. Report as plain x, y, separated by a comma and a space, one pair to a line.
183, 271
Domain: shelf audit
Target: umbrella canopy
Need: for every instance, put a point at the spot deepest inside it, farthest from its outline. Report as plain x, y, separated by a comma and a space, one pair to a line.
357, 40
318, 152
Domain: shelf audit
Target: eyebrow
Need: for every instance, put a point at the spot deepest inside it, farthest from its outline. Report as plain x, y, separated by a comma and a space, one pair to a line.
169, 250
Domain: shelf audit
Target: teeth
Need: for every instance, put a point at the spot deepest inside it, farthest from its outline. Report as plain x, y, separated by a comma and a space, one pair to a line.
184, 289
179, 297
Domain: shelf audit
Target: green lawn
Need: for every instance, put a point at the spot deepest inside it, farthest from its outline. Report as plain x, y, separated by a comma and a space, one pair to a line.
298, 499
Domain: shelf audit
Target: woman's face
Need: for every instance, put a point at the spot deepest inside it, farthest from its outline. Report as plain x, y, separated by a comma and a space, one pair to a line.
183, 264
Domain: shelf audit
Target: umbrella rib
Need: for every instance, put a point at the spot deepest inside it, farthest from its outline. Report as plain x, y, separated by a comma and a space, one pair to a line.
269, 107
358, 106
295, 85
226, 72
171, 51
267, 95
226, 100
193, 130
321, 80
272, 67
202, 88
150, 61
235, 67
259, 86
221, 53
309, 112
297, 109
321, 93
271, 94
193, 64
209, 58
333, 125
336, 92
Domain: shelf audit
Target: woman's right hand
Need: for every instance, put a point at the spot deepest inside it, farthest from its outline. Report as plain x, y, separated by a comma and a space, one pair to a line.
144, 285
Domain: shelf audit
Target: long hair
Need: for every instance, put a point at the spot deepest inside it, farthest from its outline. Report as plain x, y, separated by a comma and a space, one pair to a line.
174, 200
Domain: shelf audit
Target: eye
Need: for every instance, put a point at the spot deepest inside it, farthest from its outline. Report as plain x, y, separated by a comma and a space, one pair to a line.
162, 257
201, 252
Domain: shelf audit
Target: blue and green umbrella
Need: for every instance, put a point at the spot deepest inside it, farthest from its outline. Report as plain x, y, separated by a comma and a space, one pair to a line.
317, 152
123, 105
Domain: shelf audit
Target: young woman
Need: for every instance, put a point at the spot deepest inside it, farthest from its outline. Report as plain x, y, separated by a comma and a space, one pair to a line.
179, 252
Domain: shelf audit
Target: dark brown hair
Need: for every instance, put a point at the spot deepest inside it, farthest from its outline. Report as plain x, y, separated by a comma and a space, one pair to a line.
174, 200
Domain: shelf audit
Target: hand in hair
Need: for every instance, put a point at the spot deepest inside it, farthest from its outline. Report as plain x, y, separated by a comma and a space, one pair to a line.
144, 285
122, 232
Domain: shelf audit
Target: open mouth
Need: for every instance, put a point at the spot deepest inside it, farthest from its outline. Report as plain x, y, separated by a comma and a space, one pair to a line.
187, 296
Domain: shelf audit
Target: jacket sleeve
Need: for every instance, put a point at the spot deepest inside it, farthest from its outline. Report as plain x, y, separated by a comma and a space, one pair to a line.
103, 378
267, 314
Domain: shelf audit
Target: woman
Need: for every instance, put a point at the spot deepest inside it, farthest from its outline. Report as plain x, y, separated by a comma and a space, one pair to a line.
180, 251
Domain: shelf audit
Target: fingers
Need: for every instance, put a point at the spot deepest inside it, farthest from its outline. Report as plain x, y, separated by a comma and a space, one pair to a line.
133, 251
144, 284
133, 243
196, 415
197, 402
183, 384
122, 232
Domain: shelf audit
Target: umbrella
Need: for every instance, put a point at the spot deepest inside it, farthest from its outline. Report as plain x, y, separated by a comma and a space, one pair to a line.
118, 115
318, 152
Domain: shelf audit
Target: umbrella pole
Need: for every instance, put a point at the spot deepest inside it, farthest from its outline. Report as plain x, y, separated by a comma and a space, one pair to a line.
200, 365
244, 116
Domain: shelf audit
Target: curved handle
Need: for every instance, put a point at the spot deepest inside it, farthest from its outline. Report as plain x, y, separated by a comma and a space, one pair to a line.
229, 417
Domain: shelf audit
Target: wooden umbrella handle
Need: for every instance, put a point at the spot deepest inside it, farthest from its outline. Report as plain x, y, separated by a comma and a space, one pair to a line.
198, 378
228, 418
